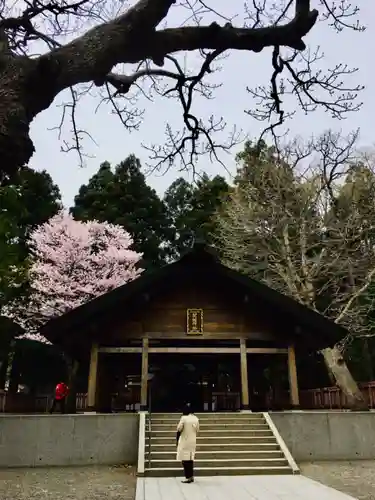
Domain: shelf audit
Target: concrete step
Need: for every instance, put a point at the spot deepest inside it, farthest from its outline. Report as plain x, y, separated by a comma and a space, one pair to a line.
213, 418
231, 462
219, 447
213, 432
232, 426
217, 439
227, 444
227, 414
220, 454
209, 416
219, 471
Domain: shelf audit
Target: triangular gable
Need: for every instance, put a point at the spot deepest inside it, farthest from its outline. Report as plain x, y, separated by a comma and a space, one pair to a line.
327, 332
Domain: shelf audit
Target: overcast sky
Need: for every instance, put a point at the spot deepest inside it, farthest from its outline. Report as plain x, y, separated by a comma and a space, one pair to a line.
114, 143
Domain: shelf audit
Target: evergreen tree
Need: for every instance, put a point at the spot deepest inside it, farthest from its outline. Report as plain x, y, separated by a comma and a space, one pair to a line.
29, 200
123, 197
26, 202
190, 208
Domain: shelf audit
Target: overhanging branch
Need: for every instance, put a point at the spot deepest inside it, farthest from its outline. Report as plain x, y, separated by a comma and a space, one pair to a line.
132, 38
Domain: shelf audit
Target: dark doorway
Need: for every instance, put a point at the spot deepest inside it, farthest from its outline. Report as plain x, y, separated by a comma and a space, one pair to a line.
208, 382
177, 380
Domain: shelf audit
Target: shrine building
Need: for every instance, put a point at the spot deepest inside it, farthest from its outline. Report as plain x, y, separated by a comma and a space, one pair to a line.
193, 330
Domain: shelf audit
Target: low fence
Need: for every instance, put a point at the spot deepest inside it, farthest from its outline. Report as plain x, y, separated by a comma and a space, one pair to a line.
325, 398
332, 398
26, 403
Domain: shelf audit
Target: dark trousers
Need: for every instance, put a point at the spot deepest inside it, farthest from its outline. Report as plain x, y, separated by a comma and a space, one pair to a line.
188, 466
60, 403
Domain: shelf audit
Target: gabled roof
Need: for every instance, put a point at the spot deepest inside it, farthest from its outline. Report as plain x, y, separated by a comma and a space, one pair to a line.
315, 328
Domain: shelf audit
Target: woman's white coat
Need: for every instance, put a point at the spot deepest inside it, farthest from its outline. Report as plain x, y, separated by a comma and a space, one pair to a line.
189, 428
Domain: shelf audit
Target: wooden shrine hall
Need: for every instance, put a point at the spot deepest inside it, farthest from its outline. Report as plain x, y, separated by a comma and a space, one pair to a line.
194, 331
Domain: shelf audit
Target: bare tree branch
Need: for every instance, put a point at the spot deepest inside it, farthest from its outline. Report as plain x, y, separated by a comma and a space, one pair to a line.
309, 233
29, 83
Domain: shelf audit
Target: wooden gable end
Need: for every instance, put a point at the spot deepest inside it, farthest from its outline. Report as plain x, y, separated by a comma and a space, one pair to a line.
216, 313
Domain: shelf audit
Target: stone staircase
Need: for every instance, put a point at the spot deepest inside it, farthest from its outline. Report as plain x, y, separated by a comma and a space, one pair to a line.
228, 444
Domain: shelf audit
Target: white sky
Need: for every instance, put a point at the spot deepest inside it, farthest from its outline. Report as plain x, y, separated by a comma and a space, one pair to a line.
114, 143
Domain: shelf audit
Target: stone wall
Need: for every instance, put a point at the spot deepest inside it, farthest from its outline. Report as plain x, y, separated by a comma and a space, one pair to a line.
331, 435
48, 440
63, 440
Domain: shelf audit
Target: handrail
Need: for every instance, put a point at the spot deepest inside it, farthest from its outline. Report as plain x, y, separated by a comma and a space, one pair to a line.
149, 426
281, 443
141, 444
149, 439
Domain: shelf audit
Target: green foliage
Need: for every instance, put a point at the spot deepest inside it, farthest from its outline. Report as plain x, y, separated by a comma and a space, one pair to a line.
190, 208
162, 229
123, 197
29, 200
37, 365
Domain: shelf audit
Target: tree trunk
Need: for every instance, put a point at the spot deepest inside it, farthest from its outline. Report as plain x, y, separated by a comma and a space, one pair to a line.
4, 364
344, 379
23, 94
15, 371
72, 365
367, 357
3, 371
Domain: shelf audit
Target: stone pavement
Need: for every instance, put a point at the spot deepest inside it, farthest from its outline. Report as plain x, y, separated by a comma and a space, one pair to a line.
237, 488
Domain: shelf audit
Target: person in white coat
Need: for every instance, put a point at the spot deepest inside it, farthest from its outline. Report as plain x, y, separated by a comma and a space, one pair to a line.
187, 430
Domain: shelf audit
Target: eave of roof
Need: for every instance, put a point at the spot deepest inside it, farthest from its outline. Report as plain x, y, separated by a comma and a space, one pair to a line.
328, 332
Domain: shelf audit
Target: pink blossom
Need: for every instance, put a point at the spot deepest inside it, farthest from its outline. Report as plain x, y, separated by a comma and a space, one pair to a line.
73, 262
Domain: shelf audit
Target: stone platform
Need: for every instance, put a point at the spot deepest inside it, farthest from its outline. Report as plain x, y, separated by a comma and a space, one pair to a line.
237, 488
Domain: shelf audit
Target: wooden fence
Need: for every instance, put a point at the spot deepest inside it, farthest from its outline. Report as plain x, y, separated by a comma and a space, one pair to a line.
25, 403
325, 398
332, 398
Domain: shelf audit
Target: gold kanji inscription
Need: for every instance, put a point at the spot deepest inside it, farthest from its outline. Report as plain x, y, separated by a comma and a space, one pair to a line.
194, 321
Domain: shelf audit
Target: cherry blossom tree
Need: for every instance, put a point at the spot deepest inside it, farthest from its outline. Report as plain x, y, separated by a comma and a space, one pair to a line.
73, 262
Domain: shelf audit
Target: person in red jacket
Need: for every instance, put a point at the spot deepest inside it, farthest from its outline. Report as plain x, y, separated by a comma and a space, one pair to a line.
61, 393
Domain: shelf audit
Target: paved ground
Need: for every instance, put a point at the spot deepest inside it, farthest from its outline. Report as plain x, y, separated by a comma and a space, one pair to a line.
112, 483
354, 478
78, 483
237, 488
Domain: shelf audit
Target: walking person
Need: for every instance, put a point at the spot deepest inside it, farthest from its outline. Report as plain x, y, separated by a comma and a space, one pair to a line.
61, 393
187, 431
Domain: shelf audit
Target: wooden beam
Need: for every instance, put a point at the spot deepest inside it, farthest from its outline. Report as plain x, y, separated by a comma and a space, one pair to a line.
180, 335
266, 350
144, 374
293, 379
119, 350
93, 376
244, 378
194, 350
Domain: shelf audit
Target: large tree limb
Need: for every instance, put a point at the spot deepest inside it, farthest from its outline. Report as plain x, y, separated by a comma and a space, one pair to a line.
131, 38
356, 294
29, 85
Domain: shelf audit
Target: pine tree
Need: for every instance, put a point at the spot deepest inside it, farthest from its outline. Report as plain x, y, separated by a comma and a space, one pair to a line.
123, 197
190, 208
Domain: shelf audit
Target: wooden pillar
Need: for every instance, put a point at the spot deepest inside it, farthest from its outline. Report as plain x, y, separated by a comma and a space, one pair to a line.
293, 380
144, 376
244, 378
93, 377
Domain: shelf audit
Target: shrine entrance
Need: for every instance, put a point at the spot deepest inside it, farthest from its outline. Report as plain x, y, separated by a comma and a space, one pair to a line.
208, 382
